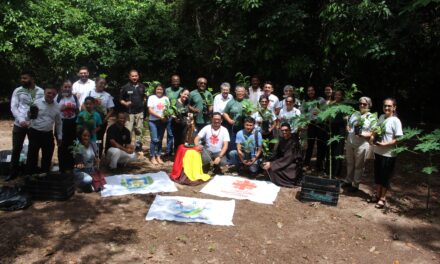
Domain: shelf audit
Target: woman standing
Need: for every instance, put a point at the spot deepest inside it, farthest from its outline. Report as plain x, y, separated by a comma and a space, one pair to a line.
69, 107
384, 157
157, 122
104, 106
265, 118
358, 147
289, 112
180, 122
315, 131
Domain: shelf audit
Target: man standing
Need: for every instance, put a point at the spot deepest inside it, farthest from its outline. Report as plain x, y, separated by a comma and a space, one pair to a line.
273, 99
249, 147
22, 98
83, 86
172, 93
118, 147
216, 139
200, 103
133, 97
255, 90
41, 131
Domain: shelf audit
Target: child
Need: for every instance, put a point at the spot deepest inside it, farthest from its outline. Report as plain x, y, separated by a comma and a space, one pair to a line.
89, 118
86, 160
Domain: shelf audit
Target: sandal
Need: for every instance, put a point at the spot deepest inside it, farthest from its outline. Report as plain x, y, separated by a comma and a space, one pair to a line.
381, 204
373, 198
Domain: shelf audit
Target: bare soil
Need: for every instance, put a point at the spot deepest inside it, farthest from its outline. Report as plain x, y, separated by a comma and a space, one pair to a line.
91, 229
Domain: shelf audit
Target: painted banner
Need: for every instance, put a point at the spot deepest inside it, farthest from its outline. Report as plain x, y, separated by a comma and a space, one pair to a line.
138, 183
240, 188
188, 209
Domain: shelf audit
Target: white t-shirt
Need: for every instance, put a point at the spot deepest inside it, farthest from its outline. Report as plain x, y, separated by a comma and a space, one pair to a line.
393, 129
254, 96
214, 139
82, 89
354, 119
220, 103
273, 102
282, 103
67, 106
102, 98
286, 116
259, 119
158, 105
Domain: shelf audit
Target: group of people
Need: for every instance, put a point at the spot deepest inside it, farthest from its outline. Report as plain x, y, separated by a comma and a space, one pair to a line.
228, 130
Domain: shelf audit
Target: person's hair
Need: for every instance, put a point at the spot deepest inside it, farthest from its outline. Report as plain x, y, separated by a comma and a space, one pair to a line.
81, 131
293, 98
29, 73
216, 113
50, 86
225, 85
249, 119
198, 79
98, 79
284, 124
329, 85
307, 98
367, 100
339, 91
268, 82
157, 86
64, 81
394, 103
174, 74
238, 87
181, 92
263, 96
83, 68
89, 98
287, 87
255, 76
121, 113
132, 70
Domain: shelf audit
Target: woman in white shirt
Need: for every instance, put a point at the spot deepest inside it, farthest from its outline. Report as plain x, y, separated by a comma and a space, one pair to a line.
384, 157
157, 122
289, 112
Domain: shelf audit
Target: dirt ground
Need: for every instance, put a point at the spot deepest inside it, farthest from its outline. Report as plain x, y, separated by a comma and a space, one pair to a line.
91, 229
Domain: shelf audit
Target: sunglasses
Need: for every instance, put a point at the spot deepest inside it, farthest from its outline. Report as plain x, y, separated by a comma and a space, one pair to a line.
363, 104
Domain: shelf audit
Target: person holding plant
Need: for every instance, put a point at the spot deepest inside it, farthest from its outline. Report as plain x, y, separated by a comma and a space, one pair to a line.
118, 147
180, 120
200, 103
173, 93
315, 131
384, 157
22, 99
286, 167
216, 140
157, 122
357, 147
289, 112
69, 107
248, 147
265, 118
89, 118
104, 106
86, 160
41, 134
221, 99
233, 114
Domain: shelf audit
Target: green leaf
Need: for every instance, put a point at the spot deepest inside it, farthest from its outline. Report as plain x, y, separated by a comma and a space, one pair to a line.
429, 170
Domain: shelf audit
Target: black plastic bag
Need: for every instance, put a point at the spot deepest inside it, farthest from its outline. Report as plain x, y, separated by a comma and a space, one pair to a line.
13, 198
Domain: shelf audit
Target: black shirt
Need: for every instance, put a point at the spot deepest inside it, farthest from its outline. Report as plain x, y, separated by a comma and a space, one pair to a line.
121, 135
134, 94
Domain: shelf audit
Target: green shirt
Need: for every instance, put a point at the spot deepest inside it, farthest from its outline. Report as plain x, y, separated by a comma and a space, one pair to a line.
234, 109
171, 93
196, 100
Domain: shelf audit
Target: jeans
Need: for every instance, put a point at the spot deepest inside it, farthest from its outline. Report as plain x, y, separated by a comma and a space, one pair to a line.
170, 137
235, 159
157, 129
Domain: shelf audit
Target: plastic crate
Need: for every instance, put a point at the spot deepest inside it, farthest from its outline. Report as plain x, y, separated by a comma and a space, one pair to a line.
51, 186
321, 190
5, 162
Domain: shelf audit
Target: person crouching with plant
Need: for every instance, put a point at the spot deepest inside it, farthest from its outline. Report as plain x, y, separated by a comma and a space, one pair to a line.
86, 160
249, 148
157, 122
285, 169
89, 118
388, 129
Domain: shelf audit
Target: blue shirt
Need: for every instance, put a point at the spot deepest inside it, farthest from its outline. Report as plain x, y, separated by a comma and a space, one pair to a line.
90, 121
248, 141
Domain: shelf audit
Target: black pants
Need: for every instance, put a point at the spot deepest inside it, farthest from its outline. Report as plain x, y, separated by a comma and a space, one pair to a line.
318, 134
383, 169
18, 136
100, 137
179, 133
40, 140
65, 157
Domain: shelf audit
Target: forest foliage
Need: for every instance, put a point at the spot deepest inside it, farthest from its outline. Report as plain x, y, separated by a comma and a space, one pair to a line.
388, 48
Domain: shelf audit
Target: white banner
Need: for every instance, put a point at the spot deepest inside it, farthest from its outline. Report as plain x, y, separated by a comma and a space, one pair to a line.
138, 183
188, 209
240, 188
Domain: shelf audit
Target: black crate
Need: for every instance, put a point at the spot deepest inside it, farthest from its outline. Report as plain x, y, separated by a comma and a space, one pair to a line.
51, 186
4, 164
321, 190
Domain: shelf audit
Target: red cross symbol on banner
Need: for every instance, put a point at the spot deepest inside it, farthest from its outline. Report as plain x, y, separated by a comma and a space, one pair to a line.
242, 185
